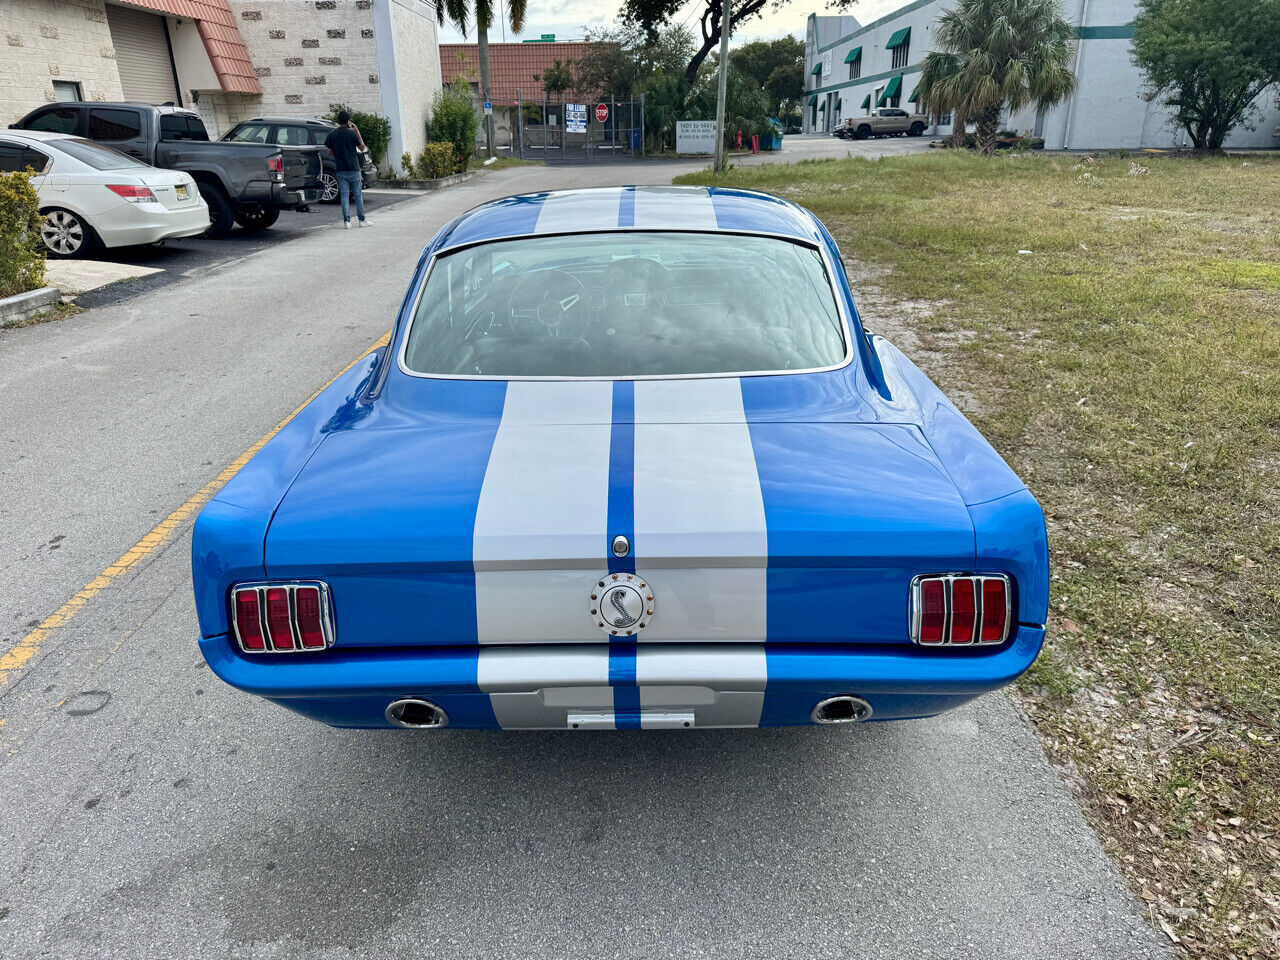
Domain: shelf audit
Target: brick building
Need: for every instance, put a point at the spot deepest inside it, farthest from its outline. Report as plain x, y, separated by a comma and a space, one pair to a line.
227, 59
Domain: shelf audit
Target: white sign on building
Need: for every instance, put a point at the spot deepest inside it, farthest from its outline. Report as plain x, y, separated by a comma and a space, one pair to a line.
826, 64
695, 136
575, 118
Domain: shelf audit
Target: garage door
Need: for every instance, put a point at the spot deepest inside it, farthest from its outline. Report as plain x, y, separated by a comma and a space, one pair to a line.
142, 55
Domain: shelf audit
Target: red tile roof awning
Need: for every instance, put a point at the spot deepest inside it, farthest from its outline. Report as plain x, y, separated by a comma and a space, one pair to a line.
512, 66
222, 40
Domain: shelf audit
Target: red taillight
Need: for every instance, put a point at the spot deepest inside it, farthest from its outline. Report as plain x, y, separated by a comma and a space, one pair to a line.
310, 629
132, 193
964, 609
298, 616
933, 611
960, 609
279, 624
275, 164
248, 623
995, 609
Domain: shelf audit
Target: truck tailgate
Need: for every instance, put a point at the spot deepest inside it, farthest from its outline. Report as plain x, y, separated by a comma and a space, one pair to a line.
301, 167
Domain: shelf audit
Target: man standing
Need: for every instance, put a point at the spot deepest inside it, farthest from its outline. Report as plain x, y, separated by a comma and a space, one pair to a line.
346, 143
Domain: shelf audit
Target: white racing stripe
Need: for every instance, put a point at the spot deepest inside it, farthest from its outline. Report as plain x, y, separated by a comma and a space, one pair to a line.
577, 211
700, 536
540, 523
674, 208
537, 690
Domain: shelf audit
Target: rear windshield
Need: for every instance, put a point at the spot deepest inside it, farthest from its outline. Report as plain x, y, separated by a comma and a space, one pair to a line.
626, 305
95, 154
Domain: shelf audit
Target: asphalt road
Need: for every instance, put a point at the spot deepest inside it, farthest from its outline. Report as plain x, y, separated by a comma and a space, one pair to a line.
150, 811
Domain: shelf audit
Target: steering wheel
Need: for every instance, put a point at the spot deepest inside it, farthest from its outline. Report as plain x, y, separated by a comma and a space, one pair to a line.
548, 298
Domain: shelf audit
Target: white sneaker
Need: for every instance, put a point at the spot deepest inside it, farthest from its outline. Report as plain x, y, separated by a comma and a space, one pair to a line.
364, 223
346, 224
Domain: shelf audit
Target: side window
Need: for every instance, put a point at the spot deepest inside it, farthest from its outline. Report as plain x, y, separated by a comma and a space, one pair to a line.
289, 136
173, 126
196, 128
108, 124
10, 158
56, 120
34, 159
316, 135
251, 133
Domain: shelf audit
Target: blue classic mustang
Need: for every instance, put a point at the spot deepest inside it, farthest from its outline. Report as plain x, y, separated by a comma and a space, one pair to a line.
628, 461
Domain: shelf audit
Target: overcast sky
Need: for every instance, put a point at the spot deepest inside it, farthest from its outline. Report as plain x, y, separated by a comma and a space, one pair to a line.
568, 19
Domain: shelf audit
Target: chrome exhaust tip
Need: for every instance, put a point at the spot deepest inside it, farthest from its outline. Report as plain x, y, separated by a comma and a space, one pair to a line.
842, 709
415, 714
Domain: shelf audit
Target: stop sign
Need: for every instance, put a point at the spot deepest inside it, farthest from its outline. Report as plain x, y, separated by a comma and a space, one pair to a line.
602, 112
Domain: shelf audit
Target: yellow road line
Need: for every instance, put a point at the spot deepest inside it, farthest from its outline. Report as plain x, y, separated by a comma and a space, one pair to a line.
22, 652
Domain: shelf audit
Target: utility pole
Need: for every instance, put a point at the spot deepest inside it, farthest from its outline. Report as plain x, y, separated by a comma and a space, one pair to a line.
722, 84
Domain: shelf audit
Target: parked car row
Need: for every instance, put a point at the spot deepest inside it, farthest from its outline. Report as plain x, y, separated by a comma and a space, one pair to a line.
123, 174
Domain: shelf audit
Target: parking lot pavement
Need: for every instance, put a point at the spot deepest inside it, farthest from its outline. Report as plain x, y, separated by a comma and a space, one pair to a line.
184, 258
823, 146
151, 811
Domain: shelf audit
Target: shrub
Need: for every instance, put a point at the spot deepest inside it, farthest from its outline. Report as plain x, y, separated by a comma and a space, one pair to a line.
21, 250
453, 120
406, 164
375, 128
436, 160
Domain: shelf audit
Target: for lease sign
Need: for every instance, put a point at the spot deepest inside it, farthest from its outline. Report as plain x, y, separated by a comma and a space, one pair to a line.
695, 136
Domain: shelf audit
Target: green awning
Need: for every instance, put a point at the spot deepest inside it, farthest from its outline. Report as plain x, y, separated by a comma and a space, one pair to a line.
892, 90
839, 103
914, 98
813, 100
817, 68
899, 38
853, 55
822, 105
866, 104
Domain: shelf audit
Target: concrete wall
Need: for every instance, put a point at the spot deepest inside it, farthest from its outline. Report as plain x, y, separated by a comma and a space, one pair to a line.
47, 40
417, 60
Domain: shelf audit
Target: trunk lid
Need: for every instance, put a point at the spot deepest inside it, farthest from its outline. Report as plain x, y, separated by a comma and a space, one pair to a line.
454, 532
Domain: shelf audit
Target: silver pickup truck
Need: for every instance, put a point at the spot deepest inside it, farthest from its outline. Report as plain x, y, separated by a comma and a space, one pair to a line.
883, 122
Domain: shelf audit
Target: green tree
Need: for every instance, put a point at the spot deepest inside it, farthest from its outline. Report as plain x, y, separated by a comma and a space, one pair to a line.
994, 54
746, 106
375, 128
652, 15
622, 58
785, 89
459, 11
1208, 60
776, 65
557, 78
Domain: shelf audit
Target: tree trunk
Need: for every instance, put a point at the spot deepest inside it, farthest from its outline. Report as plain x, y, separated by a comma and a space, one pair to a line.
985, 132
958, 132
482, 42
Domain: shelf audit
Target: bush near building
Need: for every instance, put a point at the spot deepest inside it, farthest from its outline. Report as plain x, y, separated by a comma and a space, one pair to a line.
454, 121
437, 160
21, 250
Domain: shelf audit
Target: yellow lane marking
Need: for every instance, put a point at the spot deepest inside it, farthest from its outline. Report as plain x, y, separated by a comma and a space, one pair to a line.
25, 649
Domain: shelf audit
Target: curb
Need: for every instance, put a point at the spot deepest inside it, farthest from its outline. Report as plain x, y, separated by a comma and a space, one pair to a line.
23, 305
425, 185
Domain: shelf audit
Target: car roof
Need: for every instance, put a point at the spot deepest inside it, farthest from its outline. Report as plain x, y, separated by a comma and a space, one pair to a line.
38, 135
598, 209
302, 121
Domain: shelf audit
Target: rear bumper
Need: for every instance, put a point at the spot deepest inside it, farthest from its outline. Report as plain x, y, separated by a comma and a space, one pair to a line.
283, 196
549, 686
137, 223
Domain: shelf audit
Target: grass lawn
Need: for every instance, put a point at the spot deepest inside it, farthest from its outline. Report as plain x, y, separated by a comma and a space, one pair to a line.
1113, 326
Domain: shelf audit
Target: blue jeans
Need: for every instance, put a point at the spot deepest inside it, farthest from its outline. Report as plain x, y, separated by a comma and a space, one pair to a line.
350, 185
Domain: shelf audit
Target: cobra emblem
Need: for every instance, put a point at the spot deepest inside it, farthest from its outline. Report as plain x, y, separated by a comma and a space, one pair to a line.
625, 619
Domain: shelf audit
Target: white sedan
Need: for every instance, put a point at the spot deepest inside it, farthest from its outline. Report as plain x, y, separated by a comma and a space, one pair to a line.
92, 196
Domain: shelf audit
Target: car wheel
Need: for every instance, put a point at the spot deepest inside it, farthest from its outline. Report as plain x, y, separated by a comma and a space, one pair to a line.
328, 187
66, 235
864, 131
221, 213
257, 218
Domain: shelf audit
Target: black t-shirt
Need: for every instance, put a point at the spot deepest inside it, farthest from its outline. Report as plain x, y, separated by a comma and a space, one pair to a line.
344, 142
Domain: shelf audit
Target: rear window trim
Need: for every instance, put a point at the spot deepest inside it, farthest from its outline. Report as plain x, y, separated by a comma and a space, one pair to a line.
846, 327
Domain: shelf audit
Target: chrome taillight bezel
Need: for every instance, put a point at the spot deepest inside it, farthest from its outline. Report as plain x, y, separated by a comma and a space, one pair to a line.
948, 579
261, 587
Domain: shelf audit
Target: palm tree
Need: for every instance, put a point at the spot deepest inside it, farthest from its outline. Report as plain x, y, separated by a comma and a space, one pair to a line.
994, 54
458, 11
